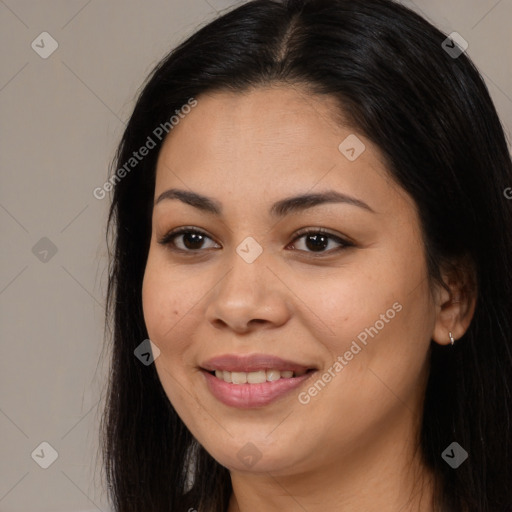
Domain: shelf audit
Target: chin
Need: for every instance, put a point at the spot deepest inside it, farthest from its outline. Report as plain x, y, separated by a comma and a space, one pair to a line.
250, 456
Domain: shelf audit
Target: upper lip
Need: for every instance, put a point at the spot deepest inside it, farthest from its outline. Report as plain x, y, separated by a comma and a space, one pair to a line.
252, 363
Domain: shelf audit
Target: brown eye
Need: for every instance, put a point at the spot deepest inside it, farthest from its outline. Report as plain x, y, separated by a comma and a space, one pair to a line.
317, 240
192, 240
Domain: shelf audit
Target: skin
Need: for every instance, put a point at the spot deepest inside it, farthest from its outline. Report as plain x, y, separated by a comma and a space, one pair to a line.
352, 447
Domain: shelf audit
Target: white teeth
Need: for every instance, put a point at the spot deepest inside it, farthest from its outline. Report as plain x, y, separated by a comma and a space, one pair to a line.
239, 377
273, 375
256, 377
253, 377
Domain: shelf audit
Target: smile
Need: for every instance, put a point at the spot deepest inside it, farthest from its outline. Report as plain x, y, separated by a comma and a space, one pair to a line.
256, 377
252, 381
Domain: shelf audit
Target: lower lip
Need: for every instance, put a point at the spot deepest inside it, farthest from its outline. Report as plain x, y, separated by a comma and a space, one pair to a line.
246, 396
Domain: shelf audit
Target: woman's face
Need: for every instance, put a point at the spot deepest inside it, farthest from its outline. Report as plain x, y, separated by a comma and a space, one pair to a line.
350, 307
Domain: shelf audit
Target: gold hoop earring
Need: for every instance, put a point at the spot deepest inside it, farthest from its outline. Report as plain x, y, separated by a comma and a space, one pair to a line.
452, 341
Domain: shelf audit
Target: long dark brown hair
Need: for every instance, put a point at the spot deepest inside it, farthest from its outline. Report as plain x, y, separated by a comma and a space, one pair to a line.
432, 117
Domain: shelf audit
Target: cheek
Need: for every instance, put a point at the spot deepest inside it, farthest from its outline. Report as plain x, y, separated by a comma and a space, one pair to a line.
393, 330
381, 313
345, 306
162, 307
162, 312
173, 303
170, 315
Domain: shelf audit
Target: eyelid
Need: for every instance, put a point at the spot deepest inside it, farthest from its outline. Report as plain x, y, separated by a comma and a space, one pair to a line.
340, 238
166, 239
344, 242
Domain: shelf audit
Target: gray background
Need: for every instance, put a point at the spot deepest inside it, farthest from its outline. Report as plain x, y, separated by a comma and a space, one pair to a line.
61, 118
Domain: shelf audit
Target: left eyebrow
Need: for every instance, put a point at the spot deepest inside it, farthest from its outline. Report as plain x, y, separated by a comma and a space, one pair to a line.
278, 209
304, 201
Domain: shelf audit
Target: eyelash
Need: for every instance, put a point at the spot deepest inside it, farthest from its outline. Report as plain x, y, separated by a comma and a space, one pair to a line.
168, 238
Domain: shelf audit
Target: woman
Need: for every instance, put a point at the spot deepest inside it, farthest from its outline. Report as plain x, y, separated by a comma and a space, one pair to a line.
311, 227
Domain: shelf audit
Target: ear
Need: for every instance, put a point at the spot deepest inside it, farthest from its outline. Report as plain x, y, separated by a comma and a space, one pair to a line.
455, 307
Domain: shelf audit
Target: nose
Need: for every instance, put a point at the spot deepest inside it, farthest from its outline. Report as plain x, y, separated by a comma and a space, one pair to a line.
250, 295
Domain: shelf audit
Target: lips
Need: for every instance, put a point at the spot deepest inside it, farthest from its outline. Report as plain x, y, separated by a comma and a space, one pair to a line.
254, 380
253, 363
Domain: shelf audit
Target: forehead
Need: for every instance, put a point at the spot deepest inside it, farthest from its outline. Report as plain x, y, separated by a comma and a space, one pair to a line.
259, 116
267, 141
